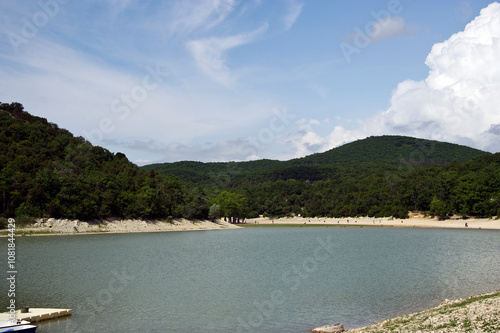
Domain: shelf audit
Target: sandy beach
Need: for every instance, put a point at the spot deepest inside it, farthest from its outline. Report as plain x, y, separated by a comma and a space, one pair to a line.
53, 226
415, 221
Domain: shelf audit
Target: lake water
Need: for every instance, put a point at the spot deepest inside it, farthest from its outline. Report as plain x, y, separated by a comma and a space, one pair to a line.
250, 280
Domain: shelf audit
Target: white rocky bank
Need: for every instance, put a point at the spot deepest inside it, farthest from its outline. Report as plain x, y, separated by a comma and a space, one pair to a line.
65, 226
474, 314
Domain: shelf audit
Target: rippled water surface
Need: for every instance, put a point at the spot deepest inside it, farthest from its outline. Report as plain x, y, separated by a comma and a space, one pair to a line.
250, 280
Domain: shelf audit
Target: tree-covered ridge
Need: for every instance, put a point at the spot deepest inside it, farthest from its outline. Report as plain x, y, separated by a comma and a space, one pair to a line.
373, 152
390, 149
377, 176
47, 172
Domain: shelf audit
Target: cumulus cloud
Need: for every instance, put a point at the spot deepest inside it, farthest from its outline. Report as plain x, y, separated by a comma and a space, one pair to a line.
458, 102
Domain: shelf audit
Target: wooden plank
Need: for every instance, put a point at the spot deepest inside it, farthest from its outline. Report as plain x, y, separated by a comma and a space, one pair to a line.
37, 314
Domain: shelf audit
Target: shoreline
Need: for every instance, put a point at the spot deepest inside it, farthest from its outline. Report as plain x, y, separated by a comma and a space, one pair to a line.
477, 313
414, 221
51, 226
57, 227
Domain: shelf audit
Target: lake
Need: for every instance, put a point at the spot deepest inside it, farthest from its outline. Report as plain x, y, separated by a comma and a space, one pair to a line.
250, 280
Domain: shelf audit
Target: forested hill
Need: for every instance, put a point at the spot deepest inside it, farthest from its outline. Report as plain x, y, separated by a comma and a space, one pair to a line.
47, 172
377, 176
373, 152
389, 149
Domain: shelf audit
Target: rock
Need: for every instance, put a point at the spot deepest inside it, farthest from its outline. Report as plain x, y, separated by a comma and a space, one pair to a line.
329, 328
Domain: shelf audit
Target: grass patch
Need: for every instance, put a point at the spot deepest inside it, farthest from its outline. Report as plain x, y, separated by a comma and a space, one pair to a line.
473, 299
20, 232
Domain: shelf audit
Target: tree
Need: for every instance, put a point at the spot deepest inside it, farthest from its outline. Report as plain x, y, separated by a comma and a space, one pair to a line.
438, 208
233, 205
215, 212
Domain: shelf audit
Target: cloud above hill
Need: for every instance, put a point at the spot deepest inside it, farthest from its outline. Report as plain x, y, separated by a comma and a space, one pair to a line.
458, 102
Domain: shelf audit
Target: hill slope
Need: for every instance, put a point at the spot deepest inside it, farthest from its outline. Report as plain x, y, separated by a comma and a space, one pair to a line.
47, 172
382, 151
376, 176
393, 149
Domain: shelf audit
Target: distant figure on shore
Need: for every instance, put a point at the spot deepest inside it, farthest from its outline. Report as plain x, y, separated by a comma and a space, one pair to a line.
466, 225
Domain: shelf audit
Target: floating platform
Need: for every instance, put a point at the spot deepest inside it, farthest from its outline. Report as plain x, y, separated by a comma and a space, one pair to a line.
35, 315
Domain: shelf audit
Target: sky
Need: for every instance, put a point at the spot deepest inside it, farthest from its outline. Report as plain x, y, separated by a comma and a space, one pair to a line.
229, 80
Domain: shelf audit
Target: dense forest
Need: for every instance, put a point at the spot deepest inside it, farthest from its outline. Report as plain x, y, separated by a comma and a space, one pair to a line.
47, 172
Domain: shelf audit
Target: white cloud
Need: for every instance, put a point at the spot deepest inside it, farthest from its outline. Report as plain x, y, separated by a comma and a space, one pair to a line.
383, 28
77, 92
458, 102
240, 149
187, 16
394, 26
209, 54
142, 162
294, 10
306, 141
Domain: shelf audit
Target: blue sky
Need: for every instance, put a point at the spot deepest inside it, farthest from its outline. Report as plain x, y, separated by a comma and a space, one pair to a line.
222, 80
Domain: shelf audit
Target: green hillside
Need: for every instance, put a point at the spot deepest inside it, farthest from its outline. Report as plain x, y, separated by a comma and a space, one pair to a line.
47, 172
375, 152
393, 149
376, 176
210, 173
